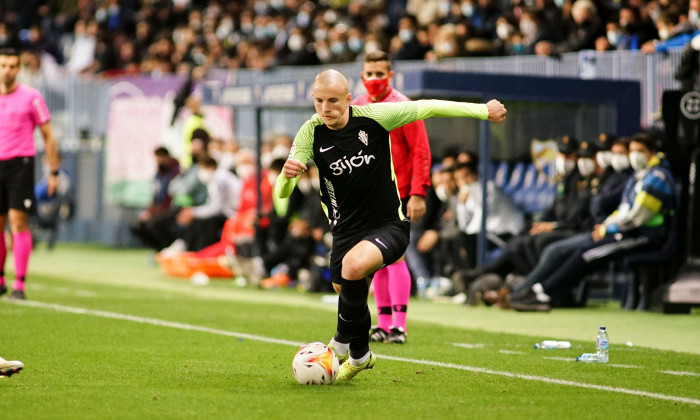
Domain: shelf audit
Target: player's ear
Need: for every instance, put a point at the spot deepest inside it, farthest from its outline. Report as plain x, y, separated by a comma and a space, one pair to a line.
391, 74
348, 98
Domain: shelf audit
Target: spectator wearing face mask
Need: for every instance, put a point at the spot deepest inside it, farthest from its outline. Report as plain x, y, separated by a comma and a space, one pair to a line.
673, 33
297, 51
568, 215
640, 224
411, 48
612, 158
613, 173
582, 30
201, 225
504, 219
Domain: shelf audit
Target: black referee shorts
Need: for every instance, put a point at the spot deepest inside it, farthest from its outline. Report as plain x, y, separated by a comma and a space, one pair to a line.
17, 184
391, 239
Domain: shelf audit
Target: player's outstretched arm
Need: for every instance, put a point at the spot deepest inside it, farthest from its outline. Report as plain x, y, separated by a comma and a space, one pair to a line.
497, 111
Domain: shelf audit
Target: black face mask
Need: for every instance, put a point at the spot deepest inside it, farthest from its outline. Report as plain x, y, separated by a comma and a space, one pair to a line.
162, 168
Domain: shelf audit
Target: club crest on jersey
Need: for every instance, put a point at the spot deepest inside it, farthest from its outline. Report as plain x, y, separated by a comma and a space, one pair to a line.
363, 137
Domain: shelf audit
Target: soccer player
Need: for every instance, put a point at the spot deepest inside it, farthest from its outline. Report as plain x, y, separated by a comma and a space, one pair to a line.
10, 367
351, 148
410, 153
22, 109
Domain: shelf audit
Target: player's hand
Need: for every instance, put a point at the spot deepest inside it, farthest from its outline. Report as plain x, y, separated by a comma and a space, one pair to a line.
497, 111
293, 168
185, 216
415, 207
51, 185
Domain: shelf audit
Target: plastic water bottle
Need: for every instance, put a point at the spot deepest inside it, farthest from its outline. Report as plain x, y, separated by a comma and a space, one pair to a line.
422, 286
551, 345
602, 345
589, 358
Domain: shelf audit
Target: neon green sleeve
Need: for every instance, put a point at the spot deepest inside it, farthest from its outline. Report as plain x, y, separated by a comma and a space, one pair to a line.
302, 150
436, 108
395, 114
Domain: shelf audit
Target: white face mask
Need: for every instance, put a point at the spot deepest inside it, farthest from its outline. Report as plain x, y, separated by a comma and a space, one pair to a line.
371, 46
441, 192
467, 9
564, 166
603, 158
586, 166
613, 38
244, 171
296, 42
528, 28
272, 178
405, 35
638, 160
619, 162
503, 31
205, 175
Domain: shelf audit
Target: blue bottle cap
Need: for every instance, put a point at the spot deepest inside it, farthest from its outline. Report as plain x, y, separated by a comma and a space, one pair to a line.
602, 328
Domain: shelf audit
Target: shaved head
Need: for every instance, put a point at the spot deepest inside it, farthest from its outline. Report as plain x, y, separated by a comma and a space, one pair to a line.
331, 78
331, 98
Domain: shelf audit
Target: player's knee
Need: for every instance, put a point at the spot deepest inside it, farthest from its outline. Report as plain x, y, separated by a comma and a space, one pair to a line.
353, 268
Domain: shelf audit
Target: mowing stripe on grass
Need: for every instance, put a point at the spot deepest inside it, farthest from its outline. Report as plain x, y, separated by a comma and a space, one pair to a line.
474, 369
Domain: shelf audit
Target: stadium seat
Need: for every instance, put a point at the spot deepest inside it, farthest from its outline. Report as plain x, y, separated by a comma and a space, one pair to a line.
515, 180
650, 269
500, 174
525, 195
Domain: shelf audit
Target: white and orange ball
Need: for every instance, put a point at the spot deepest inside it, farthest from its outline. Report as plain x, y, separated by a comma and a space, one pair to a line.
315, 364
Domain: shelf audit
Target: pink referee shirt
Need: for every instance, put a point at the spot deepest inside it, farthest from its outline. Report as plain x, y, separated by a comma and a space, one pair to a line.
20, 112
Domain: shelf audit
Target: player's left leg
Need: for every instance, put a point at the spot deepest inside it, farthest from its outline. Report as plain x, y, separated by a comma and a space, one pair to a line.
21, 249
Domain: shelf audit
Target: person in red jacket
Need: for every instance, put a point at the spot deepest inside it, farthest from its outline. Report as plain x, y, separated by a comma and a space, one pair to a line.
411, 158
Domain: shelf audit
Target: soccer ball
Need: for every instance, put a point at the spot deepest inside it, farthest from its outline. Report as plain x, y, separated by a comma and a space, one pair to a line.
315, 364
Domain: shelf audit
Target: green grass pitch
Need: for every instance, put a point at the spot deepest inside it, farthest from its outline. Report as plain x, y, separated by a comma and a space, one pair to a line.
104, 335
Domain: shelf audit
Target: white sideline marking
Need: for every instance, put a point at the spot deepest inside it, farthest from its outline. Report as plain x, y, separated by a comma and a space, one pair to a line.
510, 352
469, 345
679, 373
569, 359
177, 325
563, 359
623, 366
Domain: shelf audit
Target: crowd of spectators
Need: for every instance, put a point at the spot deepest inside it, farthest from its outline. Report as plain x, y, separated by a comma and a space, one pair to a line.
112, 37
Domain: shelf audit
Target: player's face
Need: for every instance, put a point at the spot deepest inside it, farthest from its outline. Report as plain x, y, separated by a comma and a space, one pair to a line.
331, 102
9, 68
376, 70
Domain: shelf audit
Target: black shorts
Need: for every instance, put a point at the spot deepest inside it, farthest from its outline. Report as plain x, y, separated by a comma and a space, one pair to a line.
391, 239
17, 185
